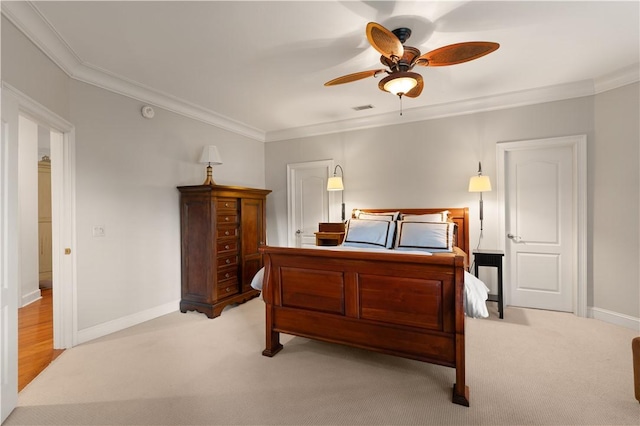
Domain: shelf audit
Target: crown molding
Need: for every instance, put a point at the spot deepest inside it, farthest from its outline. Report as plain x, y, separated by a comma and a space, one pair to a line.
104, 79
27, 18
470, 106
622, 77
36, 28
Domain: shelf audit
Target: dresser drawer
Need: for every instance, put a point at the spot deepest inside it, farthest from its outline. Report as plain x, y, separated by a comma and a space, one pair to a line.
227, 288
227, 274
231, 217
227, 204
224, 230
227, 260
228, 246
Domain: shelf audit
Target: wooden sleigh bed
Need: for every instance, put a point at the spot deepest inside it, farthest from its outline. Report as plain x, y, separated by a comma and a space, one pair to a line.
406, 305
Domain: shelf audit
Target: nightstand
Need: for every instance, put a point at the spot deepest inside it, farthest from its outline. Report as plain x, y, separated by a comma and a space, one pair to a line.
491, 258
330, 234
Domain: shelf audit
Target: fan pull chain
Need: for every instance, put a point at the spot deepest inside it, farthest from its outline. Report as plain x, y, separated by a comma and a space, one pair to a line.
400, 96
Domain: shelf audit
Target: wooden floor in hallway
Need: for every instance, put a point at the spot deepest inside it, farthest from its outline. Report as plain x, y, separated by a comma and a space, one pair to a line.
35, 338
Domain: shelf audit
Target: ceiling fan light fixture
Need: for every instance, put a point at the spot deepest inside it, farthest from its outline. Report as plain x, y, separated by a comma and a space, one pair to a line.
399, 83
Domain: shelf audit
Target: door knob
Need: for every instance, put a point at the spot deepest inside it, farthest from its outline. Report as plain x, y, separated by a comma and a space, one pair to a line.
298, 232
514, 237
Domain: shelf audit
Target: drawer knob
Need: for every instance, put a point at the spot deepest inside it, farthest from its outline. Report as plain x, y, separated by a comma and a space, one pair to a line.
226, 204
226, 275
228, 261
228, 289
226, 232
226, 247
226, 219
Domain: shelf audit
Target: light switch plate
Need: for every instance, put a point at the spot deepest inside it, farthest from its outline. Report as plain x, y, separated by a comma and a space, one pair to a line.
98, 231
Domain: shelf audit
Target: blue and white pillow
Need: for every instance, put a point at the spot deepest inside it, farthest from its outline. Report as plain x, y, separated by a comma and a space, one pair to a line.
425, 236
369, 233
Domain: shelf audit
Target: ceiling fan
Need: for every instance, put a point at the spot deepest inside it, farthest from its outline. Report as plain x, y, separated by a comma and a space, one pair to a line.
400, 60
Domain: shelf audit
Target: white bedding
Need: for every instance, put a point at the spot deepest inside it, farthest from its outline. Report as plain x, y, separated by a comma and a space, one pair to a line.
475, 291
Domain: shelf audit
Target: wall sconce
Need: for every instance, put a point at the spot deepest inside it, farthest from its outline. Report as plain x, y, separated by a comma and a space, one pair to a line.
335, 183
480, 183
210, 155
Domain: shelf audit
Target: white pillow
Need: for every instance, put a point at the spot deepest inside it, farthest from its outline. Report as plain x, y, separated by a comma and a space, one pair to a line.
369, 233
388, 216
442, 216
427, 236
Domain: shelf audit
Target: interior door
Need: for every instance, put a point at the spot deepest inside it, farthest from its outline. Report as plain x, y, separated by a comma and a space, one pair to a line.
308, 200
8, 256
540, 212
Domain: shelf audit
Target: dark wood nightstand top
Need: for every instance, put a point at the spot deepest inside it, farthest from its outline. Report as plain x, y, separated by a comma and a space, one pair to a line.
490, 252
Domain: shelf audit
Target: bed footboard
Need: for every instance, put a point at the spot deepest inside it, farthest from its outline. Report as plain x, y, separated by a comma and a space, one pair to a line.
398, 304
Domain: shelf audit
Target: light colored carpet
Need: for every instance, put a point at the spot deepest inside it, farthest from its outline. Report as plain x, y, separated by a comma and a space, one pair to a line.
533, 367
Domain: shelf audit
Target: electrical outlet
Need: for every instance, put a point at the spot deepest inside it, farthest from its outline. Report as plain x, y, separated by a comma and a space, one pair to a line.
98, 231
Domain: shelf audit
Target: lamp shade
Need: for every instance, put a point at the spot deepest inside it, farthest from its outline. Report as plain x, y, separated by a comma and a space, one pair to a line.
335, 184
479, 184
210, 155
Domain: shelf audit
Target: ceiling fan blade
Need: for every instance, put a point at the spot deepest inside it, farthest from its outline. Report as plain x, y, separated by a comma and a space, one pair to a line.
456, 53
384, 41
415, 92
353, 77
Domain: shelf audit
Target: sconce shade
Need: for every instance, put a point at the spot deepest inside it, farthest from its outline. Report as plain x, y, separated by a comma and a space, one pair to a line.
335, 184
210, 155
479, 183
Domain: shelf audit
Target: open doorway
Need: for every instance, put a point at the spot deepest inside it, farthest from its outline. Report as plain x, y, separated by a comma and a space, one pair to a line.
36, 269
16, 104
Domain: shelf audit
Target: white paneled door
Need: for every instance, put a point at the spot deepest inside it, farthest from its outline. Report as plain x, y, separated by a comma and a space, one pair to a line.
308, 200
541, 225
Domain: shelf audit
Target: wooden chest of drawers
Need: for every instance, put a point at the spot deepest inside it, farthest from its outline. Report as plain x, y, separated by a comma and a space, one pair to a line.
221, 229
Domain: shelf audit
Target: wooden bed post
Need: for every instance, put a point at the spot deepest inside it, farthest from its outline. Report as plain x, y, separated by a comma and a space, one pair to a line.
460, 390
272, 337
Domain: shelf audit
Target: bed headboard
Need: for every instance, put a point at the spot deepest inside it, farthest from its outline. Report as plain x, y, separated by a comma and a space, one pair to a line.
459, 215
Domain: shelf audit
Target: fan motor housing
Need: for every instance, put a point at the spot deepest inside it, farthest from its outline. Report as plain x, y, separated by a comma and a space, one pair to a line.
405, 63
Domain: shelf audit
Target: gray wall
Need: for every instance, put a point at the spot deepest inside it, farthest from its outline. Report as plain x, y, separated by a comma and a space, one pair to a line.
127, 170
615, 207
429, 163
26, 68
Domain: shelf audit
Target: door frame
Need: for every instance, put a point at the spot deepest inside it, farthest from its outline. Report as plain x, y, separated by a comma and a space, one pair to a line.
578, 144
291, 175
9, 261
63, 214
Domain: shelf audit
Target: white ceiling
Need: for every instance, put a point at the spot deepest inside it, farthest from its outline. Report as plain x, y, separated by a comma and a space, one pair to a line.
258, 68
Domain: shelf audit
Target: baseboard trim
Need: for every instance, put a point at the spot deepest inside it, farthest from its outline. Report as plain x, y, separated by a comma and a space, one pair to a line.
109, 327
616, 318
29, 298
